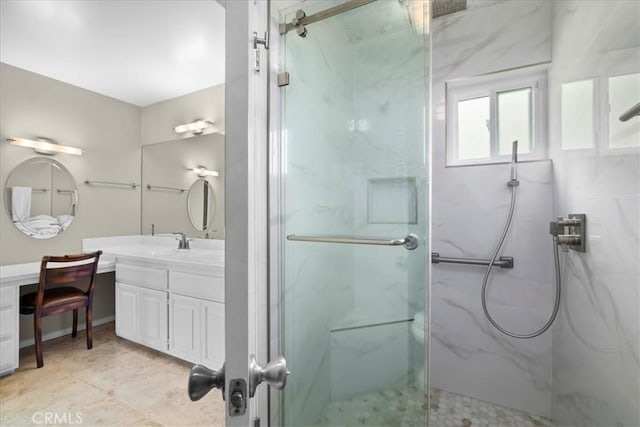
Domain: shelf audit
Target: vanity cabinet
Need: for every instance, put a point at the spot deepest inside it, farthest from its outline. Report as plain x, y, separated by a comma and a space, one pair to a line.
8, 329
141, 305
177, 312
127, 311
213, 334
153, 318
186, 327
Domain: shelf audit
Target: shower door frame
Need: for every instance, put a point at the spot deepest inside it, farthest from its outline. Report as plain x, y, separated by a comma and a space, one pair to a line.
276, 192
275, 224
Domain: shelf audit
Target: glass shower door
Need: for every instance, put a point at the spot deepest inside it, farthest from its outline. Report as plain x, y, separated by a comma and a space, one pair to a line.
355, 201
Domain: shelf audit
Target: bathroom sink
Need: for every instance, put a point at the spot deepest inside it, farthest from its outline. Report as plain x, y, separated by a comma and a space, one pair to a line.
188, 255
164, 253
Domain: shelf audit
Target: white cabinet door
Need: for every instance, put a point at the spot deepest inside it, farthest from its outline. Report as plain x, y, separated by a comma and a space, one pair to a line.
185, 328
153, 318
213, 334
127, 314
8, 329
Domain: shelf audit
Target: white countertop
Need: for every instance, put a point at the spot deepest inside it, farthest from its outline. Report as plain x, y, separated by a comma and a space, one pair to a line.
205, 257
29, 272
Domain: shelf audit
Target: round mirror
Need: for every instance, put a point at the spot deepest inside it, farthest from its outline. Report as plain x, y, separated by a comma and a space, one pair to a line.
41, 197
201, 204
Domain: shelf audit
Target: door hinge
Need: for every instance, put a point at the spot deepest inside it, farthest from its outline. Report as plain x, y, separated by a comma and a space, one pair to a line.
256, 422
283, 79
256, 41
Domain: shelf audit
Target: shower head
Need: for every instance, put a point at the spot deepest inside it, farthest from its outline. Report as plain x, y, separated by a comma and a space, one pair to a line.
445, 7
631, 112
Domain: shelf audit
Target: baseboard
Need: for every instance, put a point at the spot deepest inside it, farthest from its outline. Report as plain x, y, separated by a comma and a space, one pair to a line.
67, 331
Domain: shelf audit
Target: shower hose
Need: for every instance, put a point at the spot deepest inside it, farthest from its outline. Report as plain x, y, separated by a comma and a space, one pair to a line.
487, 273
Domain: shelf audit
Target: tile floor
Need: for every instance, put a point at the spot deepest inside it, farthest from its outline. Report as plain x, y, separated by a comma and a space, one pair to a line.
403, 407
454, 410
119, 383
116, 383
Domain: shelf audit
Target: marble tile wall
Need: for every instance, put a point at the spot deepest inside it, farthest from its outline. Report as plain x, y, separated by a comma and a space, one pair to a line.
351, 115
469, 205
315, 275
387, 145
596, 343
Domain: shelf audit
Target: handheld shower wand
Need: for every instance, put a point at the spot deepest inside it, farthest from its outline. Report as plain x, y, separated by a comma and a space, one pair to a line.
513, 182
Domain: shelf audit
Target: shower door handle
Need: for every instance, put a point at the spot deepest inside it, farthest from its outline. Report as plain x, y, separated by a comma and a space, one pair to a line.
410, 242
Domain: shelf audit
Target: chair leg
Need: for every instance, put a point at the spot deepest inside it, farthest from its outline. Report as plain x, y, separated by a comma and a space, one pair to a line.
74, 331
37, 335
89, 327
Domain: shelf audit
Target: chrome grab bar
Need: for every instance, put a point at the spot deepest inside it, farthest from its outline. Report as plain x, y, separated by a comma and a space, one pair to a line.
410, 242
502, 262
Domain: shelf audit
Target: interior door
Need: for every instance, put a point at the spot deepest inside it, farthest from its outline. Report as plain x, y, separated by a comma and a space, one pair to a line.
352, 245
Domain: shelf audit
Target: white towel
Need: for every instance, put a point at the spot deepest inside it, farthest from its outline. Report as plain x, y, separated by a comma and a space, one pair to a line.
20, 203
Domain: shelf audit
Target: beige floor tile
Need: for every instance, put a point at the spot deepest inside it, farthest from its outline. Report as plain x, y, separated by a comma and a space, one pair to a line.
117, 383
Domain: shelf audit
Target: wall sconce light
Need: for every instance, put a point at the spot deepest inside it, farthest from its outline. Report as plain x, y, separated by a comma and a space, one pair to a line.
45, 146
202, 171
196, 127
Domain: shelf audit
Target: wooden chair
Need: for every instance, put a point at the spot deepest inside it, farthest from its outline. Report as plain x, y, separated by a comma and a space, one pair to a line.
58, 292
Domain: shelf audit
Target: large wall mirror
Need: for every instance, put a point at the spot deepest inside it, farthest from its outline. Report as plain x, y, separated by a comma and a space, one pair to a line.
41, 197
177, 193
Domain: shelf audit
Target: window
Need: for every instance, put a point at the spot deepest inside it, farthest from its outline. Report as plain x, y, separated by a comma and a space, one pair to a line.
590, 114
486, 114
624, 92
577, 115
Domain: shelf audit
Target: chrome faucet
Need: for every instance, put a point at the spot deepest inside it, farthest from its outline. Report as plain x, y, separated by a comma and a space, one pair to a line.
183, 242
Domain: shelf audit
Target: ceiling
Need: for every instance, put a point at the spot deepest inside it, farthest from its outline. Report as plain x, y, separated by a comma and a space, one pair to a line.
137, 51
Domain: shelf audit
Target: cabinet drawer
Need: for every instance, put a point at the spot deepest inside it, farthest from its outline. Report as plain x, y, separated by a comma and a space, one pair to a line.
8, 355
8, 318
153, 278
8, 313
197, 286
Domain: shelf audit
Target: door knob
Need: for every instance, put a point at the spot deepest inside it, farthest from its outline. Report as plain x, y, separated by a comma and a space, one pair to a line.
275, 374
203, 379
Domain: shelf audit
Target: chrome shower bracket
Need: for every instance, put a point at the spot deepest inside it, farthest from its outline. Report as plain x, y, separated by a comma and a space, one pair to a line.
298, 24
571, 232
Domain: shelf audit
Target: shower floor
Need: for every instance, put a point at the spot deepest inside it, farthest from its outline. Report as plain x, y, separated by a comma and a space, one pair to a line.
403, 407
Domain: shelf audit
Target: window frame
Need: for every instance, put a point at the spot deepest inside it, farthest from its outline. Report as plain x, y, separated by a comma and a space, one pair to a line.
489, 86
604, 142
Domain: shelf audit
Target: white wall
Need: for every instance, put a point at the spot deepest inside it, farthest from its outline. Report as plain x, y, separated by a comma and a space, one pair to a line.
596, 342
109, 131
467, 355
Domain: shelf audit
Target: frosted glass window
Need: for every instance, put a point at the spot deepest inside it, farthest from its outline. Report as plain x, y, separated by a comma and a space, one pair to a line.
515, 120
624, 93
577, 115
473, 129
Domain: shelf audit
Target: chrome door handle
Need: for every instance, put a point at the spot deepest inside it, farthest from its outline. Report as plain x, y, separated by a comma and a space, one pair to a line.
275, 374
410, 242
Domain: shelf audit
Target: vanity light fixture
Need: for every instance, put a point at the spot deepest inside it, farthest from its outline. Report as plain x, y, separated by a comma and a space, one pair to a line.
202, 171
45, 146
196, 127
